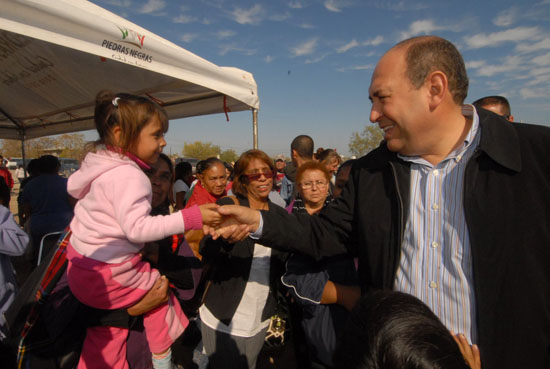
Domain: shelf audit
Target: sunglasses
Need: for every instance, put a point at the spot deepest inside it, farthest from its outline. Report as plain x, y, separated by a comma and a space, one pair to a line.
257, 176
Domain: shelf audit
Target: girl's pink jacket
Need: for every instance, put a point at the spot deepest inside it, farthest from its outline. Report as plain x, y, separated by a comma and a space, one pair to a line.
111, 219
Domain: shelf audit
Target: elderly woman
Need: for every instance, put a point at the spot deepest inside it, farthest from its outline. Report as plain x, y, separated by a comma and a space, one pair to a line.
212, 181
241, 298
327, 289
331, 161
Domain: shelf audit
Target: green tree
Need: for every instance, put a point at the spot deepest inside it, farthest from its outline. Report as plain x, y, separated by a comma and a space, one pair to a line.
67, 146
229, 156
361, 143
200, 150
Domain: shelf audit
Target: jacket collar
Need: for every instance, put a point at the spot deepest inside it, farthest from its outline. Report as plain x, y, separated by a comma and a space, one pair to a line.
498, 140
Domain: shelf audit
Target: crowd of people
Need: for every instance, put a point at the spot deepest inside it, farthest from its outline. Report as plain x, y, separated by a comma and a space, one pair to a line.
428, 252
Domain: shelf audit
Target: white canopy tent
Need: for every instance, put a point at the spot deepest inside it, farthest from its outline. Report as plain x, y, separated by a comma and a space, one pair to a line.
55, 55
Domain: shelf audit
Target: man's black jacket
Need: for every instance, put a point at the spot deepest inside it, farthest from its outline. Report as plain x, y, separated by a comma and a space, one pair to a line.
507, 209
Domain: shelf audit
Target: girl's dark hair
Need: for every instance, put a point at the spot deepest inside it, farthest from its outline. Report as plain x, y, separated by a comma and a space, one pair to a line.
204, 165
240, 181
129, 112
394, 330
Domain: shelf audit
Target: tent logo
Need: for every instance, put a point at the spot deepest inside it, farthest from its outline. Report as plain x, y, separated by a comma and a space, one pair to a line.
132, 37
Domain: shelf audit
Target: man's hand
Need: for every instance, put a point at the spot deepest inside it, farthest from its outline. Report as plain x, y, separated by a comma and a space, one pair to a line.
470, 353
156, 296
237, 223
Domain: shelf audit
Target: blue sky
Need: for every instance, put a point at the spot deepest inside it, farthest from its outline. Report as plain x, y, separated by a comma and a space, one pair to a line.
313, 59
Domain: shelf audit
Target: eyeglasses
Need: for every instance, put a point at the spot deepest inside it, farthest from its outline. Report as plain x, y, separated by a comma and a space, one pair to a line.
309, 184
257, 176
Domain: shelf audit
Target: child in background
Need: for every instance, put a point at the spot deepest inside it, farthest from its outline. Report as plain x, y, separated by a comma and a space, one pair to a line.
112, 223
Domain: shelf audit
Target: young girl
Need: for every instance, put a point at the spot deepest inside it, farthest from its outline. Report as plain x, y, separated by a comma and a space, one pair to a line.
112, 223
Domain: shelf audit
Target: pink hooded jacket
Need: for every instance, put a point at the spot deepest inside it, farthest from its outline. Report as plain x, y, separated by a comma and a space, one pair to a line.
111, 219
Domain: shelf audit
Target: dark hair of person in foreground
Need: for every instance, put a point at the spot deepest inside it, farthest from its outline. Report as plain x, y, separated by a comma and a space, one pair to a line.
394, 330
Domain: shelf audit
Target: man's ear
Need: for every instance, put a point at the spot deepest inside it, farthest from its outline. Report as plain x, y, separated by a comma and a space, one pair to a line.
438, 87
511, 118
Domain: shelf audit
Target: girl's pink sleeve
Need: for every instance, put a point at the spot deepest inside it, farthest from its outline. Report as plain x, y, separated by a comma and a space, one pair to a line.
192, 218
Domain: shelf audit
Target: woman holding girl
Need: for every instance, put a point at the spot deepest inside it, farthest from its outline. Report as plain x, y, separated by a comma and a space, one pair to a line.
112, 223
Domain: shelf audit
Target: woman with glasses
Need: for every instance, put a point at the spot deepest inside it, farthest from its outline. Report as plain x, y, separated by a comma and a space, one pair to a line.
240, 296
326, 289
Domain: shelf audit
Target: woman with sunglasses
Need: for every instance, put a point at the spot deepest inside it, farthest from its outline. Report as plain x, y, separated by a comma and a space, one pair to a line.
240, 296
325, 290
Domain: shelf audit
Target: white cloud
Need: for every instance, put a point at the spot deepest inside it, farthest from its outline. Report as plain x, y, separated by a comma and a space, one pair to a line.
296, 4
354, 43
252, 16
280, 17
227, 48
121, 3
542, 60
511, 63
495, 39
506, 17
539, 76
307, 26
356, 67
333, 5
525, 47
474, 64
373, 41
183, 18
535, 93
421, 27
315, 60
225, 34
152, 6
350, 45
268, 59
305, 48
400, 6
188, 37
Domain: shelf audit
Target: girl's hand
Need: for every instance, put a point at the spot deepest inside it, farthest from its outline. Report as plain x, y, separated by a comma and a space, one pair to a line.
470, 353
210, 215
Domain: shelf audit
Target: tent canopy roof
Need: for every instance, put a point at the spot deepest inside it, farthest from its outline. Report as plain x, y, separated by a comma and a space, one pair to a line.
56, 55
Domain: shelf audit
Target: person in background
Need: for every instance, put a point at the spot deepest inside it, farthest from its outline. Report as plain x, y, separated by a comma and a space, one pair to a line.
326, 290
33, 170
496, 104
280, 165
212, 178
301, 151
229, 172
46, 202
331, 160
390, 330
13, 242
6, 174
243, 277
20, 173
342, 176
183, 179
212, 181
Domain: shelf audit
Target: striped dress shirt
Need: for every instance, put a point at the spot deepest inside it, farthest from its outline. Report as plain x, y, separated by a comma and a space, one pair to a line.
436, 262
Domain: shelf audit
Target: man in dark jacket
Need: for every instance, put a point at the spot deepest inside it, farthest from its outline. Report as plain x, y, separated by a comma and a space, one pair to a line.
453, 208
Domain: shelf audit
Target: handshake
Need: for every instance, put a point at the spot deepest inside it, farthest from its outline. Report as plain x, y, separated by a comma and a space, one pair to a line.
233, 223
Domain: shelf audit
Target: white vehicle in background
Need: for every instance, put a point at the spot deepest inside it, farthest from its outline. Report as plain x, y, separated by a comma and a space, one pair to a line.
14, 163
